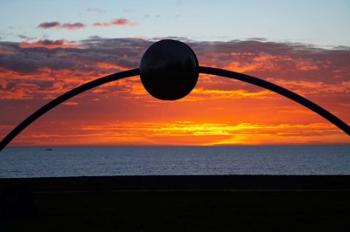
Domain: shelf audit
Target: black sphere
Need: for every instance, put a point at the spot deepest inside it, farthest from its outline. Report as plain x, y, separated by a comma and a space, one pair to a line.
168, 70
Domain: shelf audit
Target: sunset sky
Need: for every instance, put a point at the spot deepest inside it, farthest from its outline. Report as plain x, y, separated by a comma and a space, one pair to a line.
50, 47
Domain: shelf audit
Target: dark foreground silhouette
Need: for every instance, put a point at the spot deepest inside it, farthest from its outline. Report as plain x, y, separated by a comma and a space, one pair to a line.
176, 203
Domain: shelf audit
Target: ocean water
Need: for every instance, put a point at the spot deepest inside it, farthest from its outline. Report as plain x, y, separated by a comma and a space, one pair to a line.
114, 161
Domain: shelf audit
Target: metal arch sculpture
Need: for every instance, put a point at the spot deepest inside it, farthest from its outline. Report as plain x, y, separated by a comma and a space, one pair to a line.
169, 70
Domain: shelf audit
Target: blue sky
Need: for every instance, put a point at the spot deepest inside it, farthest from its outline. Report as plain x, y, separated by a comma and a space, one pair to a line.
319, 22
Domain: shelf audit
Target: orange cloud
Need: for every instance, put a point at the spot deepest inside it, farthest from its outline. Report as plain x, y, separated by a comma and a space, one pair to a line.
49, 44
262, 62
71, 103
115, 22
306, 66
110, 66
219, 111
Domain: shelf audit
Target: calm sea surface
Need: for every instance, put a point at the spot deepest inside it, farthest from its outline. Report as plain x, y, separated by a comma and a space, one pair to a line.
98, 161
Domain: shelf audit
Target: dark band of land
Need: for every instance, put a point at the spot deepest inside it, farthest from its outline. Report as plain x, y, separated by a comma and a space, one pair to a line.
176, 203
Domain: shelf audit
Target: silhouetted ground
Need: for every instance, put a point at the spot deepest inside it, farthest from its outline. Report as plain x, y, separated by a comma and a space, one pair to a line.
176, 203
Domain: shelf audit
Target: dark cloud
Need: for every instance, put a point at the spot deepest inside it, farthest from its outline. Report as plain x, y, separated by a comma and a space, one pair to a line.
290, 61
296, 61
29, 57
25, 60
48, 67
50, 44
58, 25
119, 22
47, 25
68, 63
25, 37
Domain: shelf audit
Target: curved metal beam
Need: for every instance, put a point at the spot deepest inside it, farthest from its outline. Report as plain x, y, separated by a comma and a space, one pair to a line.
280, 90
205, 70
62, 98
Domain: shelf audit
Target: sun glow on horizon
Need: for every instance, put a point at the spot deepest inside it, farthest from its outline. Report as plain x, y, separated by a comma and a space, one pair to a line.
219, 111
